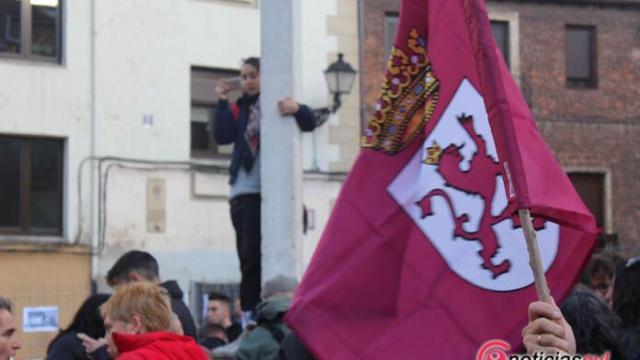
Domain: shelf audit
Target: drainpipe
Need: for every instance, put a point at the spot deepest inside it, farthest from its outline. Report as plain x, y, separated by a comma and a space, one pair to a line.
94, 177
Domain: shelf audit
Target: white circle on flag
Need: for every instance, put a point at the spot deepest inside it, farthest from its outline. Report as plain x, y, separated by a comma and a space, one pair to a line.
462, 255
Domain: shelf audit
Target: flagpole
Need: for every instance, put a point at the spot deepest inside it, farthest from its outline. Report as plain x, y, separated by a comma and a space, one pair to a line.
535, 261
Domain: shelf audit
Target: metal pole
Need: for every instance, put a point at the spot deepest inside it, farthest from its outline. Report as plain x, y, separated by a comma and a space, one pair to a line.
93, 189
280, 140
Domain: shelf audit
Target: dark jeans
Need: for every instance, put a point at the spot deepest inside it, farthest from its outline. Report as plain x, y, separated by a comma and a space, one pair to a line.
245, 215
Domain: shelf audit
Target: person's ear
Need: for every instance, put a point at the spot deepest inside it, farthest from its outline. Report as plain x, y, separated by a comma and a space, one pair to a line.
134, 276
136, 324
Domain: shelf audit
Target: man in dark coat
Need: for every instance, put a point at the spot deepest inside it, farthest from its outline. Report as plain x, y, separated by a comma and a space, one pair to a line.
219, 313
141, 266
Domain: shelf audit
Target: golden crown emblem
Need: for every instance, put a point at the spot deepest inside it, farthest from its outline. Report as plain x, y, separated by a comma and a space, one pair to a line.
433, 154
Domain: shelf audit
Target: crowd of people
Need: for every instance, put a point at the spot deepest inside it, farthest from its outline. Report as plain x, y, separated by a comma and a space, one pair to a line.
145, 318
602, 314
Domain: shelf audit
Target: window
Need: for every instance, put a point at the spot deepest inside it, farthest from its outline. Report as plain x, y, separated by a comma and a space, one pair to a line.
580, 51
30, 29
30, 186
500, 31
590, 187
203, 103
390, 27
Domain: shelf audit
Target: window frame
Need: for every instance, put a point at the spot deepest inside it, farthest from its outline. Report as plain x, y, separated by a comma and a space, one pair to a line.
26, 35
608, 190
592, 81
507, 45
25, 227
388, 18
212, 152
513, 19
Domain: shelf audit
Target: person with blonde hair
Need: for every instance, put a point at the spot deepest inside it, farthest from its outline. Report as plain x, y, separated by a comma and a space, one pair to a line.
138, 320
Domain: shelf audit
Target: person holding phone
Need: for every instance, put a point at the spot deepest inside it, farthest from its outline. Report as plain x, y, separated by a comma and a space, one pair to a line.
239, 124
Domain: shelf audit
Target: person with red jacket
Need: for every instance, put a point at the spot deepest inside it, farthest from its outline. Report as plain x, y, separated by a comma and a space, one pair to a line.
138, 320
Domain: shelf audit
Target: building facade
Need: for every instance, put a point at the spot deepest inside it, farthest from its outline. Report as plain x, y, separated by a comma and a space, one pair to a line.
105, 145
578, 66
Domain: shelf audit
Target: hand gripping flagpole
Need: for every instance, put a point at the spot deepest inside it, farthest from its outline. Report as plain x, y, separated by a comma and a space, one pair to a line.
535, 261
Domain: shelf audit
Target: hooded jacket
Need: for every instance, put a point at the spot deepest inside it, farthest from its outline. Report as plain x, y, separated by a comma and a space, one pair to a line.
157, 346
263, 342
180, 309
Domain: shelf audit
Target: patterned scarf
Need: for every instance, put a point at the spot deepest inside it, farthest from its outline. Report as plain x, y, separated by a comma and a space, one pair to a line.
252, 134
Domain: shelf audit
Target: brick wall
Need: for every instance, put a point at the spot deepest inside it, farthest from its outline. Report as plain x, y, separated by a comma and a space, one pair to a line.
589, 127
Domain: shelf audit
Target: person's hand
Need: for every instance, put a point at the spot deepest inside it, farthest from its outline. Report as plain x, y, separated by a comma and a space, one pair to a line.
288, 106
547, 330
222, 89
90, 344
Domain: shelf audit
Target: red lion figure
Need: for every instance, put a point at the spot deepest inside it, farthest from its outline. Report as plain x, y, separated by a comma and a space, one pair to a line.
479, 180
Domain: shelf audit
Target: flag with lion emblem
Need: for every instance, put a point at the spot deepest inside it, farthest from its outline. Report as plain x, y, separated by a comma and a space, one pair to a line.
423, 256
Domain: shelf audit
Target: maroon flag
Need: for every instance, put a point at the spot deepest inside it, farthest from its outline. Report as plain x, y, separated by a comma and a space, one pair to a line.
423, 256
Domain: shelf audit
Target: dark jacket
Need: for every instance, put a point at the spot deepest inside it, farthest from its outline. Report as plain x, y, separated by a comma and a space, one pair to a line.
292, 348
631, 342
157, 346
69, 347
233, 332
229, 128
263, 342
180, 309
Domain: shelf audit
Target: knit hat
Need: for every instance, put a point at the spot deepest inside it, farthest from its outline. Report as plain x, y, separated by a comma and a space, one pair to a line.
278, 285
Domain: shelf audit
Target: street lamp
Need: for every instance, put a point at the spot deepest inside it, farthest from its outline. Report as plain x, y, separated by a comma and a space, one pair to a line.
340, 77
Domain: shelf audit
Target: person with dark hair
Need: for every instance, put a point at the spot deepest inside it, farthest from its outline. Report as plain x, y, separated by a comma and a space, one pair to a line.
219, 313
598, 276
9, 343
212, 336
86, 326
239, 124
138, 265
626, 304
595, 327
133, 266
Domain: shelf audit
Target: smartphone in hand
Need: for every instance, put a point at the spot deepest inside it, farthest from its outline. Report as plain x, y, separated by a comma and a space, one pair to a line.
234, 83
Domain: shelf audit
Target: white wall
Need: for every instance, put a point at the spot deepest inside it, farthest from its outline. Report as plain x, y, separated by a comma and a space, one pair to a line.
144, 52
316, 45
53, 100
199, 241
